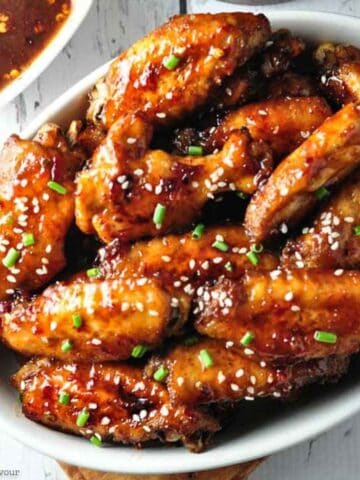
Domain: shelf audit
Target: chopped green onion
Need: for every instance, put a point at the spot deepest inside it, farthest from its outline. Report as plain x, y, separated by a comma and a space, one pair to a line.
56, 187
82, 418
11, 258
322, 192
28, 239
195, 150
253, 258
159, 214
64, 398
206, 358
20, 397
67, 346
220, 245
191, 340
228, 266
357, 230
325, 337
77, 320
256, 248
161, 374
171, 62
198, 231
93, 272
247, 339
241, 195
95, 440
139, 351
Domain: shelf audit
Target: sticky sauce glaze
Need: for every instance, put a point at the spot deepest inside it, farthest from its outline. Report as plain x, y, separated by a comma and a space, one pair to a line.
26, 27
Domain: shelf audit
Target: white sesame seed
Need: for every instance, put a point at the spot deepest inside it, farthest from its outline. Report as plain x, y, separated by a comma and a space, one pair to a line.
239, 373
234, 387
288, 296
338, 272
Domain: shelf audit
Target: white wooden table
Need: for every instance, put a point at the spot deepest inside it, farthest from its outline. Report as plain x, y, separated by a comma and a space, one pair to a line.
110, 26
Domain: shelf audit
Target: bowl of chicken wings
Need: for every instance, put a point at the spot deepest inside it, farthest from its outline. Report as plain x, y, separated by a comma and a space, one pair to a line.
180, 243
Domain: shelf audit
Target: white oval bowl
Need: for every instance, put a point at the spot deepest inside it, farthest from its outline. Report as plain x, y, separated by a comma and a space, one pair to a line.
77, 14
260, 428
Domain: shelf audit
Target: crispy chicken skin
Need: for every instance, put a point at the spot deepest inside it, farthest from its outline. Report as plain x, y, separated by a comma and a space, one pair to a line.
116, 315
123, 405
284, 309
331, 242
209, 47
235, 376
326, 157
29, 206
119, 192
339, 71
292, 84
184, 261
283, 123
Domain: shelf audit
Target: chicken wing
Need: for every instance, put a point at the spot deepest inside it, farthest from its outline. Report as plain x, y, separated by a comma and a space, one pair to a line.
291, 314
186, 261
327, 156
36, 208
283, 123
339, 72
174, 69
332, 241
125, 184
232, 376
111, 402
292, 84
95, 319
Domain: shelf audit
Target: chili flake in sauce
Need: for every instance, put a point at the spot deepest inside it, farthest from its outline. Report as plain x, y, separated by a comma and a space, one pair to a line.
26, 26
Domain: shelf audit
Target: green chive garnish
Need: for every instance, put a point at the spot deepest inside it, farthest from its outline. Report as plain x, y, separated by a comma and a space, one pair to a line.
195, 150
64, 398
11, 258
161, 374
67, 346
192, 340
82, 418
28, 239
171, 62
159, 214
325, 337
221, 245
228, 266
256, 248
95, 440
139, 351
247, 339
357, 230
56, 187
322, 192
241, 195
93, 272
206, 358
253, 258
198, 231
77, 320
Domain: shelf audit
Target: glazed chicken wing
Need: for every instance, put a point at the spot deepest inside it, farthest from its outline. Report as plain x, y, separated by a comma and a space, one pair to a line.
36, 208
332, 241
186, 261
291, 314
326, 157
233, 376
95, 319
174, 69
113, 402
283, 123
125, 184
339, 72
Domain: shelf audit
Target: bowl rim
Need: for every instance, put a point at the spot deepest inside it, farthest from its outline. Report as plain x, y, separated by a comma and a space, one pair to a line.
79, 10
77, 451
